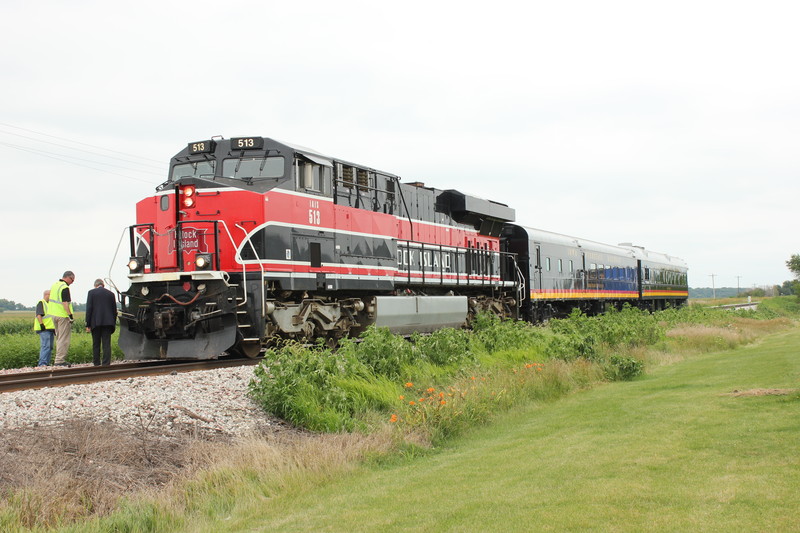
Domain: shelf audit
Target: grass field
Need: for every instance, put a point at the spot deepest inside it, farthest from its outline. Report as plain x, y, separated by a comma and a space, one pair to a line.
673, 451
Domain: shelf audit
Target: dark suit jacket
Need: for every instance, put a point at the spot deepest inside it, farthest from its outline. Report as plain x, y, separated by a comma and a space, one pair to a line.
101, 308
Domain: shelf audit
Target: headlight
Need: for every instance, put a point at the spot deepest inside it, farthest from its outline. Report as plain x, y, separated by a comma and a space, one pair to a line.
145, 291
202, 261
136, 264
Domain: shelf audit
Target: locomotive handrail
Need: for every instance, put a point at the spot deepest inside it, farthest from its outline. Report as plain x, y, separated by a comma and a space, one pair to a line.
350, 185
484, 266
114, 261
520, 284
217, 259
403, 199
150, 257
240, 260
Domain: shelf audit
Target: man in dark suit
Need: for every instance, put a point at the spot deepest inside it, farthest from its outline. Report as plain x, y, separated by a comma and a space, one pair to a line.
101, 320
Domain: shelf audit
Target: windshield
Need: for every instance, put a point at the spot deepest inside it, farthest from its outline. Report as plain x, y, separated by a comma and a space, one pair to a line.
198, 168
253, 167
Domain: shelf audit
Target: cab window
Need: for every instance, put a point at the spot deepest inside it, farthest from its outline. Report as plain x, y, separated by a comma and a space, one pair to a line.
193, 169
312, 177
253, 167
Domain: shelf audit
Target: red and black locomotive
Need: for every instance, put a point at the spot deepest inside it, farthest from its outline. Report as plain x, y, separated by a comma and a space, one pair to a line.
250, 240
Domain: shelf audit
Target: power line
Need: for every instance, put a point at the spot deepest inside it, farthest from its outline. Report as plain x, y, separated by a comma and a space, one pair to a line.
51, 156
75, 142
82, 150
55, 155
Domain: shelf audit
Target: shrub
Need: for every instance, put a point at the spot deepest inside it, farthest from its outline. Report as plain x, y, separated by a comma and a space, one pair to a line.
446, 347
313, 387
622, 368
494, 335
381, 351
628, 327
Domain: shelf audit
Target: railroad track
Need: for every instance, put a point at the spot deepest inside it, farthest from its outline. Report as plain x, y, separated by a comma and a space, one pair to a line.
59, 377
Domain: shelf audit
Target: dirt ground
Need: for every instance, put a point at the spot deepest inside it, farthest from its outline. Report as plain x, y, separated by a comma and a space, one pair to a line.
764, 392
77, 468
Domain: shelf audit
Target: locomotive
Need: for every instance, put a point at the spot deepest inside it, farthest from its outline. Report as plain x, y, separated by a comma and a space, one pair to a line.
251, 240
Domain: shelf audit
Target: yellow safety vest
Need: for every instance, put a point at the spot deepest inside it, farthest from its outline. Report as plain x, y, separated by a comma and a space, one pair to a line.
47, 318
55, 308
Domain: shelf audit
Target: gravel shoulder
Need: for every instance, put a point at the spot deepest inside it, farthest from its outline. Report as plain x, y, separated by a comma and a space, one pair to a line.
204, 404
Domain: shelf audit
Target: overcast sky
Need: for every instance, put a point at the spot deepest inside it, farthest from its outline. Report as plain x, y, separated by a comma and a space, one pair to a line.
671, 125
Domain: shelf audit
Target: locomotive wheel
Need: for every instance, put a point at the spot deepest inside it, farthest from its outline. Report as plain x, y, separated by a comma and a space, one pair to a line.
250, 349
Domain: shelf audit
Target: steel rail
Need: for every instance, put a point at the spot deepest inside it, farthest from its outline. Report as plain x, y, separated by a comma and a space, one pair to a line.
59, 377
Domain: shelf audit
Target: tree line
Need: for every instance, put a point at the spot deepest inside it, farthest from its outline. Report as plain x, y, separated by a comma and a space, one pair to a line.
11, 305
732, 292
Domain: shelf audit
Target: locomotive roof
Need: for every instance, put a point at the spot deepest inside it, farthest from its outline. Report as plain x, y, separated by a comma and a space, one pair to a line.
322, 159
315, 156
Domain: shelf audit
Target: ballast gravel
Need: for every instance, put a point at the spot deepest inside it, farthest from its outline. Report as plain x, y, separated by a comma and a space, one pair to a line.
205, 404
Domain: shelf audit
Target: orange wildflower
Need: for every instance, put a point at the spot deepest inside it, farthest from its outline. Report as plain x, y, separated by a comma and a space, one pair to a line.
442, 402
402, 397
393, 419
412, 402
431, 390
409, 385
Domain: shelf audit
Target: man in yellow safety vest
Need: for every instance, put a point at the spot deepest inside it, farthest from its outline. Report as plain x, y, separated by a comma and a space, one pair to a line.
60, 307
44, 326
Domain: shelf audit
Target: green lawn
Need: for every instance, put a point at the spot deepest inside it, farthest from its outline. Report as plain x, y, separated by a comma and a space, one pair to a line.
673, 451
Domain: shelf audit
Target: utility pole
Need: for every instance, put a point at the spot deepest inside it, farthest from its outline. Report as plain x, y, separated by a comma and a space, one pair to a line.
737, 284
713, 287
